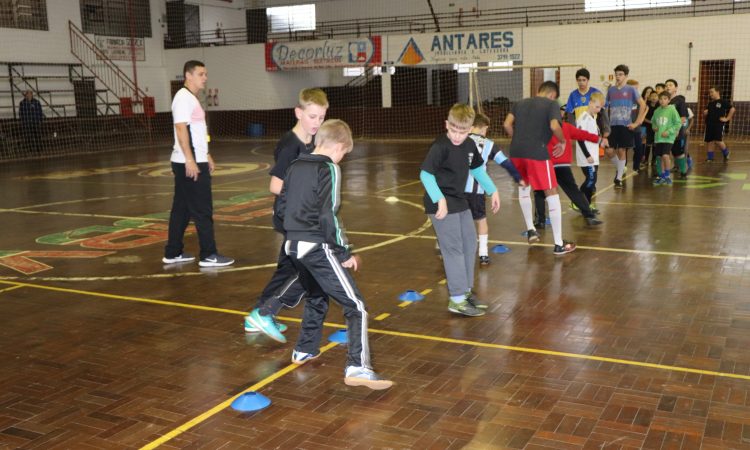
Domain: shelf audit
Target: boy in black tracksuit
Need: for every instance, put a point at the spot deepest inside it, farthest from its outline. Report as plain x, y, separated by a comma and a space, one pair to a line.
319, 250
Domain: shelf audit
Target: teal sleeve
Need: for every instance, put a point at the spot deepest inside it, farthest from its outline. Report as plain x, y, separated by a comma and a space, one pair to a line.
430, 184
484, 180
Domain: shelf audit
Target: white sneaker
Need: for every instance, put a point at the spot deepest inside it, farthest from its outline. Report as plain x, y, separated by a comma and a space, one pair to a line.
183, 257
216, 260
362, 376
300, 358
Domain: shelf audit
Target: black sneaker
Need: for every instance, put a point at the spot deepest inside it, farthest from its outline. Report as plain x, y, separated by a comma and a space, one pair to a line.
595, 211
619, 184
683, 176
540, 225
567, 247
181, 258
593, 221
484, 260
532, 236
216, 260
726, 155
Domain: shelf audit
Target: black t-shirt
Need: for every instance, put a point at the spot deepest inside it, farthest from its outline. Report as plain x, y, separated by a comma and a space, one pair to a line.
679, 103
287, 150
531, 132
451, 164
716, 110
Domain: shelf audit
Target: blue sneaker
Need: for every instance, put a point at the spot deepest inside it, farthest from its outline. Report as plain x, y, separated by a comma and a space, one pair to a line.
690, 162
300, 358
250, 328
668, 181
266, 325
659, 181
363, 376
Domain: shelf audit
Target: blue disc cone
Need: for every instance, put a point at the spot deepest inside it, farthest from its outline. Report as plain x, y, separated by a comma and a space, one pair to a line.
410, 296
251, 401
500, 248
338, 336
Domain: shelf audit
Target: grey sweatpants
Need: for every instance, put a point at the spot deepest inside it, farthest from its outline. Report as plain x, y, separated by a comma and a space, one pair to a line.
458, 245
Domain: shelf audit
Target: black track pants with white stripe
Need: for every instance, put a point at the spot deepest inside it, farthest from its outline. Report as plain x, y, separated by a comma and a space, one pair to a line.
323, 276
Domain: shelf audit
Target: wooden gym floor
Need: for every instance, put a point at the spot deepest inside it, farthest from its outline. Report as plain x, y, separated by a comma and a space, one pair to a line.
637, 340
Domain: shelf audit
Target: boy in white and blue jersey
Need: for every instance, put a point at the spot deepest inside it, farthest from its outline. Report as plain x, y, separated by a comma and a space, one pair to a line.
474, 191
621, 99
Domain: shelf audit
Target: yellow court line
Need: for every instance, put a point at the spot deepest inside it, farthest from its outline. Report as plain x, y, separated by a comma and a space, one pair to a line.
599, 191
380, 317
404, 304
223, 405
668, 205
8, 289
403, 334
426, 291
443, 281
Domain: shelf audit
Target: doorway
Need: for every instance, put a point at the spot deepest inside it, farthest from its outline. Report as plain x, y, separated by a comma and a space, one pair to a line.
718, 73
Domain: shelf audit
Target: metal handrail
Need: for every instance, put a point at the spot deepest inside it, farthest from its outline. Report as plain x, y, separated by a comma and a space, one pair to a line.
521, 16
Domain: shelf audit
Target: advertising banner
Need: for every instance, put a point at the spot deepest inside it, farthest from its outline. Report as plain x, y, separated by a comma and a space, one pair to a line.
323, 54
455, 47
118, 48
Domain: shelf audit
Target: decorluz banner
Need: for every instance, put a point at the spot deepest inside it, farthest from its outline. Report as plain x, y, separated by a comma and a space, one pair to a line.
323, 54
454, 47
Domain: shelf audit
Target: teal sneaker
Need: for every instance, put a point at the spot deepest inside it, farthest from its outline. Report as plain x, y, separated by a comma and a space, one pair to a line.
266, 325
250, 328
474, 301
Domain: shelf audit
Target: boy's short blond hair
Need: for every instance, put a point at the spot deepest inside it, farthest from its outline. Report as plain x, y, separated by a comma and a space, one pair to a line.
312, 96
334, 131
461, 115
597, 96
481, 120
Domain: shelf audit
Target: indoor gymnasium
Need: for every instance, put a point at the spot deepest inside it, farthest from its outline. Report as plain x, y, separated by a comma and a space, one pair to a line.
149, 206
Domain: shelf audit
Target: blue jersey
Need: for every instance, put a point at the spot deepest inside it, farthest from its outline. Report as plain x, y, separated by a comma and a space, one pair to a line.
578, 103
621, 102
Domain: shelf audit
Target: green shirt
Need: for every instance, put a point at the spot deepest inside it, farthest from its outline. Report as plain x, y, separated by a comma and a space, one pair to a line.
666, 119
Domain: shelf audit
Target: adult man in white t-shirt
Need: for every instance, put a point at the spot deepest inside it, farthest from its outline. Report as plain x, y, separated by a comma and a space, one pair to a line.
192, 166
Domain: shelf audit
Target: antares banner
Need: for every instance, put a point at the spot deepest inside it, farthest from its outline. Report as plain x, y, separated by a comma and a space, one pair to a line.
455, 47
323, 54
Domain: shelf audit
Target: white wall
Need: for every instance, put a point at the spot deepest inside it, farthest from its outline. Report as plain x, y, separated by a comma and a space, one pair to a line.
239, 72
653, 50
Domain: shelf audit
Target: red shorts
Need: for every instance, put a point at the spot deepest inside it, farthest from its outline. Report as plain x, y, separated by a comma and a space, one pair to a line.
539, 174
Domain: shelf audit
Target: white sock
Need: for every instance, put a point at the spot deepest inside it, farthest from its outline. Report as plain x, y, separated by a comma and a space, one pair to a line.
483, 244
620, 168
555, 217
524, 199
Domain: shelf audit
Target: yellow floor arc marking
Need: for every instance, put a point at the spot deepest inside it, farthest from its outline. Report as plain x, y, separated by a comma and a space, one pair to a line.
223, 405
426, 291
398, 186
380, 317
12, 288
102, 216
94, 199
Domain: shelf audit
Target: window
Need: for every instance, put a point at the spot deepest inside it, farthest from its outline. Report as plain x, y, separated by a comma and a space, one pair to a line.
359, 71
503, 66
611, 5
115, 18
291, 18
464, 68
24, 14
